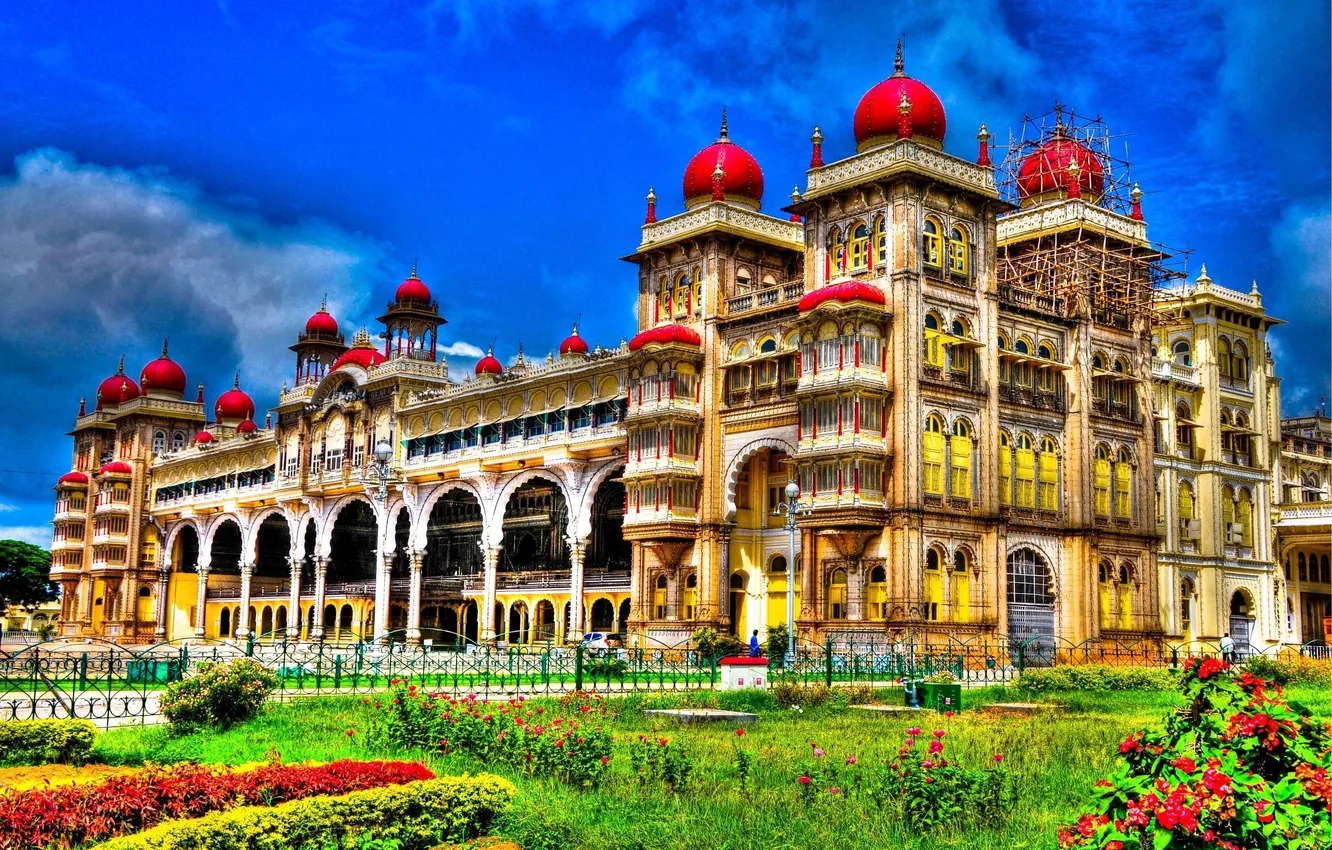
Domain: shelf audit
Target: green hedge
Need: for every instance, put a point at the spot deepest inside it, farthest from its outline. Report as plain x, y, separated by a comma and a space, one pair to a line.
419, 815
1097, 677
46, 741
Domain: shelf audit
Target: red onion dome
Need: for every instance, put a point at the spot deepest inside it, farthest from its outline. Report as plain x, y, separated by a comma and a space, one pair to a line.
234, 404
73, 479
573, 344
879, 116
246, 426
742, 179
665, 335
117, 388
488, 365
846, 292
362, 353
1045, 169
203, 438
115, 467
163, 375
322, 322
412, 289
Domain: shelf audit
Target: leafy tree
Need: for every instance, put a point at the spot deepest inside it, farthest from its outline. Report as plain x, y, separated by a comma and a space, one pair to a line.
25, 572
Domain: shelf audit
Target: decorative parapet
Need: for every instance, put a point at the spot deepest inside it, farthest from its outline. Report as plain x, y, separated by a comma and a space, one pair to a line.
902, 155
1296, 514
788, 234
761, 299
297, 395
1047, 218
1169, 370
529, 371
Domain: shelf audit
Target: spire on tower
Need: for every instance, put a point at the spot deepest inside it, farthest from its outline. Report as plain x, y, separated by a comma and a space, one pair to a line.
899, 64
1136, 195
652, 206
718, 193
983, 156
816, 158
165, 340
725, 134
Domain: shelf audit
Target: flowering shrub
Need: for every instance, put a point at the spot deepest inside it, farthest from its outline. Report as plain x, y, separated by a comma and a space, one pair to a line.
788, 692
660, 759
1236, 767
927, 789
222, 694
571, 744
46, 741
1290, 668
75, 815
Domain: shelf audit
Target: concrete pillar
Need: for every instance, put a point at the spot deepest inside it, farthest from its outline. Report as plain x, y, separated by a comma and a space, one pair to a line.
577, 553
383, 593
321, 577
414, 600
161, 607
243, 624
294, 603
488, 624
201, 607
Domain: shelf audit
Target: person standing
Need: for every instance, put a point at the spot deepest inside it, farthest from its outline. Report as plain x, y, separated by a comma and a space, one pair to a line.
754, 649
1227, 648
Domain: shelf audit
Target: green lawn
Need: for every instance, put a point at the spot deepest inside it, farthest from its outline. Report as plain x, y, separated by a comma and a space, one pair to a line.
1054, 759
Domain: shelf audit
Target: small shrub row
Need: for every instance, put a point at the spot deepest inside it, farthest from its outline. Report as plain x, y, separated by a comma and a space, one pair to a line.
32, 742
409, 817
790, 693
75, 815
1097, 677
1290, 668
568, 742
221, 695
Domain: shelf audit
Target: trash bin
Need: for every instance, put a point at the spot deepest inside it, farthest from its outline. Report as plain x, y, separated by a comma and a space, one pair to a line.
941, 696
152, 671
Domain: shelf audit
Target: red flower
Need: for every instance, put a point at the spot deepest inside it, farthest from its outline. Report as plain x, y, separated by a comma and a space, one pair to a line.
605, 759
938, 733
1185, 764
351, 732
740, 733
998, 757
804, 780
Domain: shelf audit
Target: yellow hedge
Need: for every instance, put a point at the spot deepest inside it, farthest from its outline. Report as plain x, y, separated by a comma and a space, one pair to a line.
420, 815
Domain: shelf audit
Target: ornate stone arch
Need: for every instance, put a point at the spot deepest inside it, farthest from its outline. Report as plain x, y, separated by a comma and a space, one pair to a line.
324, 538
250, 533
581, 520
494, 516
741, 458
174, 529
1050, 563
421, 522
206, 541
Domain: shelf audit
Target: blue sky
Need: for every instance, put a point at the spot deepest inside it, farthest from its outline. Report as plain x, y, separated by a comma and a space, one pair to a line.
209, 170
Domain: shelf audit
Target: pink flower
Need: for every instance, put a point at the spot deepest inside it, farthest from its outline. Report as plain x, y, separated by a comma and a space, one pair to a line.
818, 753
605, 759
913, 731
487, 718
938, 733
950, 714
850, 759
834, 790
804, 780
998, 757
936, 747
911, 742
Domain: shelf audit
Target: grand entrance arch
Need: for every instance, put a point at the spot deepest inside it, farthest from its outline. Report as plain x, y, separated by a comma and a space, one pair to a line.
536, 521
1031, 605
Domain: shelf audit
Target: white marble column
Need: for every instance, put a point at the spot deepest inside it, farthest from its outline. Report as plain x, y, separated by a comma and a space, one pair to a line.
201, 606
294, 601
488, 625
577, 555
321, 577
243, 624
383, 593
414, 600
161, 606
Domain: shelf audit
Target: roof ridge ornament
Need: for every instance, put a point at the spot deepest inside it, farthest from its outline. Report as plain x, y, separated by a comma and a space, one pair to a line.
725, 135
899, 64
816, 158
165, 340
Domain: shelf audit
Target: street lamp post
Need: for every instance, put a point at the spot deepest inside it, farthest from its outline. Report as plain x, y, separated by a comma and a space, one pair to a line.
791, 507
379, 472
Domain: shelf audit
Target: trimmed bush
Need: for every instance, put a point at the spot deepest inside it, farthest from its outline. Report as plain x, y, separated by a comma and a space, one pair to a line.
1097, 677
76, 815
420, 815
1290, 668
46, 741
221, 695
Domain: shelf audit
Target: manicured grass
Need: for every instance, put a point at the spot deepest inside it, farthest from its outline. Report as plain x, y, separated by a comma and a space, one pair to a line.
1053, 758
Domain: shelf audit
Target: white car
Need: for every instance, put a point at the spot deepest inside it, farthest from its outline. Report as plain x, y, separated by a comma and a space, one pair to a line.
595, 640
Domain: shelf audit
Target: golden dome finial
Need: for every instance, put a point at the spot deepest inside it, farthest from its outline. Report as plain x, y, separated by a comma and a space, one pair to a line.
725, 133
899, 64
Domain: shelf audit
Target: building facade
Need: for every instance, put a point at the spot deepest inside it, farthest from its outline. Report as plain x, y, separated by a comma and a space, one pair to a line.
1303, 520
959, 363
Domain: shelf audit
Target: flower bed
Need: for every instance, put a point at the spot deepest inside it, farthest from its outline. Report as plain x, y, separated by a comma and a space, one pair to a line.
75, 815
560, 744
409, 817
1237, 767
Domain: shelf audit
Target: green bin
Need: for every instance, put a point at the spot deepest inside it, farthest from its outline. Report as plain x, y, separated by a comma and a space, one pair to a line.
150, 671
941, 696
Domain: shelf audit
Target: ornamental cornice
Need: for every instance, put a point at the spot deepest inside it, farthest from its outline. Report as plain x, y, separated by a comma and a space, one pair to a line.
601, 360
904, 155
786, 234
1045, 218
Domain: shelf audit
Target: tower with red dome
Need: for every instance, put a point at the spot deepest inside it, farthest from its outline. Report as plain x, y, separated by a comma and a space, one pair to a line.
318, 346
412, 322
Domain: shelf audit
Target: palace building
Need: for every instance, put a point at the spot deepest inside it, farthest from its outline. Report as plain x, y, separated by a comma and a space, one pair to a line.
981, 373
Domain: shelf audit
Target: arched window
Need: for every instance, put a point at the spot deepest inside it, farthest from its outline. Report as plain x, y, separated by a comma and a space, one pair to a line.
837, 595
1244, 510
1183, 353
743, 280
934, 347
659, 598
1005, 365
959, 251
682, 296
933, 583
1031, 603
931, 248
1045, 377
1239, 368
177, 441
1186, 608
876, 595
1125, 594
1223, 363
880, 240
1022, 368
1123, 485
1185, 498
1005, 469
933, 440
1183, 431
1101, 481
859, 245
959, 468
698, 294
836, 251
1047, 490
960, 356
1105, 594
959, 583
690, 596
1026, 472
159, 442
664, 301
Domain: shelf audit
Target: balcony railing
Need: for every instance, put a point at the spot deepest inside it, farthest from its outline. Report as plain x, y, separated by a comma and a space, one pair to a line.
678, 463
953, 378
1031, 397
772, 296
1051, 305
1169, 370
644, 515
1115, 410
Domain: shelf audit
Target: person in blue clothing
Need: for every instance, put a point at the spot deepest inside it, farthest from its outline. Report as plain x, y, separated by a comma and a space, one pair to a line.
754, 650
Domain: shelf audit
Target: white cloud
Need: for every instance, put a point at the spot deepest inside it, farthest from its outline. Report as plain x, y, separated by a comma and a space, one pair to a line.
1302, 243
460, 349
5, 508
37, 535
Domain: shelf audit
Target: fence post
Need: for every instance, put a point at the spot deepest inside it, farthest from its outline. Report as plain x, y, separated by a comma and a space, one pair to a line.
827, 662
1174, 657
1021, 651
249, 645
337, 672
83, 672
578, 667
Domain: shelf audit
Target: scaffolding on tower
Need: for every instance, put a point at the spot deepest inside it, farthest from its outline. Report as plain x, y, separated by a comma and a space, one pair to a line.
1082, 262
